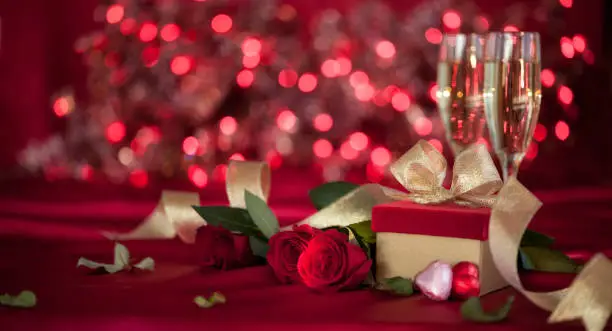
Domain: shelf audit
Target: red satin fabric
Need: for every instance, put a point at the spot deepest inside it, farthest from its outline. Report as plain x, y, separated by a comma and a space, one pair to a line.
448, 220
44, 229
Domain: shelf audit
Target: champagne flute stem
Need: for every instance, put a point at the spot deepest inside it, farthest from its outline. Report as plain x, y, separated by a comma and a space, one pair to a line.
510, 165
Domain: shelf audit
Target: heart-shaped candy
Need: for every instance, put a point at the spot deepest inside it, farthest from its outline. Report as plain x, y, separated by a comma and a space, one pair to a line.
466, 280
435, 281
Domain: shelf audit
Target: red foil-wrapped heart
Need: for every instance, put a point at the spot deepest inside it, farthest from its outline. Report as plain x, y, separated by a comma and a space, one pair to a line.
466, 280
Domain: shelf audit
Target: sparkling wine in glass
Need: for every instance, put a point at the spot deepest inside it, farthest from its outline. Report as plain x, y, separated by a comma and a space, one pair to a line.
512, 95
460, 89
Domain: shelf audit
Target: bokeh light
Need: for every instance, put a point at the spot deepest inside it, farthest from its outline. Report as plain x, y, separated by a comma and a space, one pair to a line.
181, 64
322, 148
566, 3
423, 126
228, 125
562, 130
198, 176
139, 178
400, 101
433, 36
540, 132
359, 141
287, 78
191, 145
63, 106
380, 156
323, 122
358, 78
251, 46
579, 43
547, 77
170, 32
511, 28
451, 19
433, 92
237, 157
481, 23
286, 120
532, 151
330, 68
114, 14
127, 26
364, 92
385, 49
148, 32
251, 61
345, 66
565, 95
307, 83
221, 23
245, 78
115, 132
567, 47
347, 152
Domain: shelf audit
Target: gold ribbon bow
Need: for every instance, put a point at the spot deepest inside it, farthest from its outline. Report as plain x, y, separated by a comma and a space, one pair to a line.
174, 216
589, 297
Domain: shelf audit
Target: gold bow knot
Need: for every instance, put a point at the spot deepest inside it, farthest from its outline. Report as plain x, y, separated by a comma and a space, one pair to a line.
422, 171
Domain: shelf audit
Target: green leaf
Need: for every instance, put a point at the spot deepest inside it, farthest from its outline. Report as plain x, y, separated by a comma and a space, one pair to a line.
471, 310
547, 259
25, 299
536, 239
355, 239
398, 285
524, 260
324, 195
261, 214
232, 219
364, 231
215, 299
259, 247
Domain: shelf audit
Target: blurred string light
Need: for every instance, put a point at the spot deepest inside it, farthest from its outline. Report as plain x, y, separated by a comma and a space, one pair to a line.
321, 94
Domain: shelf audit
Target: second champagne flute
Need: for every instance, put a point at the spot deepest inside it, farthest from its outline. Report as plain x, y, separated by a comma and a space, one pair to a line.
460, 89
512, 95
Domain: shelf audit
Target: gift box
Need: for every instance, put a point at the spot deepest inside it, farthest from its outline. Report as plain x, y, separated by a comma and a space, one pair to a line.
409, 236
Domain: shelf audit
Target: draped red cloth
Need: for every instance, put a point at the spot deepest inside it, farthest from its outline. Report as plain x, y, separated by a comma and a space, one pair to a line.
44, 229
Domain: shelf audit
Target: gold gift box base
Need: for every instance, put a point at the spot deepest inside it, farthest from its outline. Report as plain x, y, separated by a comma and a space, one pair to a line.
405, 255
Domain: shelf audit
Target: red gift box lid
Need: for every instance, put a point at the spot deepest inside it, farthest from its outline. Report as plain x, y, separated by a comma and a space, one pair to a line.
445, 220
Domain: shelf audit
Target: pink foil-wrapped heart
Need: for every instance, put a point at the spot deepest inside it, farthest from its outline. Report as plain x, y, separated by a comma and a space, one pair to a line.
436, 281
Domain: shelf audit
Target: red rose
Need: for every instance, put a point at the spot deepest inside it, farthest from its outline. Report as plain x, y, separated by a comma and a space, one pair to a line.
223, 249
332, 263
285, 249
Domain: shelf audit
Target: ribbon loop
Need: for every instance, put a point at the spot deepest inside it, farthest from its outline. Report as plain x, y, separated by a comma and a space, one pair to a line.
250, 176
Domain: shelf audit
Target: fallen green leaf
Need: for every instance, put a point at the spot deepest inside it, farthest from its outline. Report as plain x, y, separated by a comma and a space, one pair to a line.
232, 219
202, 302
471, 310
398, 285
324, 195
25, 299
364, 230
547, 259
258, 247
215, 298
536, 239
261, 214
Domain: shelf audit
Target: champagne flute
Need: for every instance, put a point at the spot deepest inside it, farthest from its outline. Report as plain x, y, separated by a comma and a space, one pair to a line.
460, 89
513, 95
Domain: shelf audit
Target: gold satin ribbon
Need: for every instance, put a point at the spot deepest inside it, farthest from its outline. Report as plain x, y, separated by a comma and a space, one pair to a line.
174, 216
589, 297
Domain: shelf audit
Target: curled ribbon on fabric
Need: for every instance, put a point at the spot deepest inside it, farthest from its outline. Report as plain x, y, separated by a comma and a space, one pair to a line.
174, 216
589, 297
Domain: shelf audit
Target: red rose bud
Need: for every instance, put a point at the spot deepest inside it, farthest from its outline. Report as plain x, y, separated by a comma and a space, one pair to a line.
285, 250
223, 249
466, 280
435, 281
332, 263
